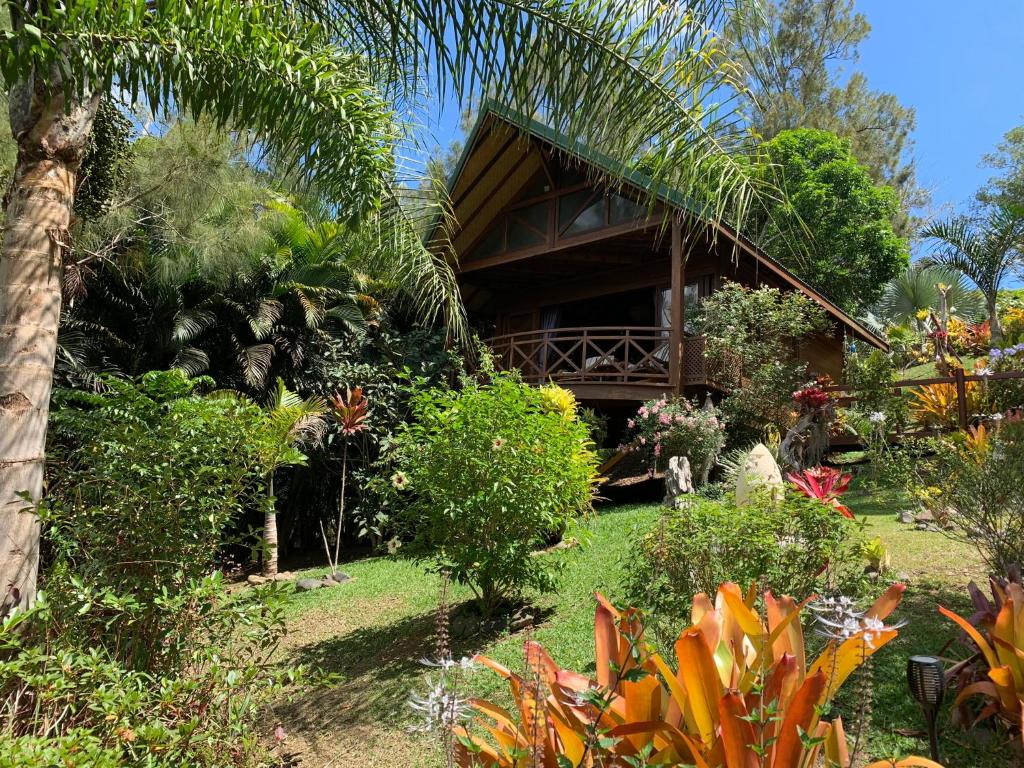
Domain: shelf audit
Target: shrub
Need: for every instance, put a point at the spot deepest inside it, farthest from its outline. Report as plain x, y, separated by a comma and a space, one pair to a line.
1006, 394
751, 335
975, 483
484, 476
796, 547
135, 654
663, 428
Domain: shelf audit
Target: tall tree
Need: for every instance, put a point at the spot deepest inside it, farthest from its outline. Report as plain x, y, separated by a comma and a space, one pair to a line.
793, 54
835, 226
304, 77
987, 248
1006, 188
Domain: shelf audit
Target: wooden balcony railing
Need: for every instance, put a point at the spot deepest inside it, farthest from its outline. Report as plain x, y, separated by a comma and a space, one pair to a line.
638, 355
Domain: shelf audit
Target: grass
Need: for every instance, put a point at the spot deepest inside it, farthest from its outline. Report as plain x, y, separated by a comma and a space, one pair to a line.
372, 631
927, 370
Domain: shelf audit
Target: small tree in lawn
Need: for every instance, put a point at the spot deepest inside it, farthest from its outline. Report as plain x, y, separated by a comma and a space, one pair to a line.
350, 413
294, 421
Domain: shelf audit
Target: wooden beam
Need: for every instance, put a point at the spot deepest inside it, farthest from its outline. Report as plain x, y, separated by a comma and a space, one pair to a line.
562, 244
675, 343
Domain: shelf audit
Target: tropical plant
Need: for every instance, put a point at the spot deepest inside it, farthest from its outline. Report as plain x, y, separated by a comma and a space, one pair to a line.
293, 422
998, 636
740, 692
935, 405
307, 80
665, 428
986, 249
751, 337
825, 484
910, 297
350, 413
484, 476
793, 546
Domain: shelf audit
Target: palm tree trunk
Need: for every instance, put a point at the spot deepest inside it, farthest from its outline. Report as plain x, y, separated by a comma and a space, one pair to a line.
270, 532
51, 141
995, 328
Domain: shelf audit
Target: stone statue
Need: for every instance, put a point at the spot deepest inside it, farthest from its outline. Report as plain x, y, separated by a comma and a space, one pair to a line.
759, 470
678, 480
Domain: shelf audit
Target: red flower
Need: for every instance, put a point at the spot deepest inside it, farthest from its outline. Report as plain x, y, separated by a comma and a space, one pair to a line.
811, 398
351, 410
824, 484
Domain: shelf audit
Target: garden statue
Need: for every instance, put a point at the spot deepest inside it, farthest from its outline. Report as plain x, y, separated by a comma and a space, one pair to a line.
678, 481
759, 470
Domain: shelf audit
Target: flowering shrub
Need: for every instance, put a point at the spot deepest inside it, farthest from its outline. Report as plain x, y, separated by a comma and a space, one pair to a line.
484, 476
1013, 325
665, 428
1006, 394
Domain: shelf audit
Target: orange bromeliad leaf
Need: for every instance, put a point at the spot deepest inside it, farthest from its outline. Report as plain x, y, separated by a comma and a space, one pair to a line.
737, 732
801, 715
887, 603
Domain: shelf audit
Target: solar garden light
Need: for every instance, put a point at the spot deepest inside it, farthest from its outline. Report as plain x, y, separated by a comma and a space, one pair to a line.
927, 680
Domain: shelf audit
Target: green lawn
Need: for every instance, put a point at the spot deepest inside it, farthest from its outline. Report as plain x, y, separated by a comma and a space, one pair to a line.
372, 632
927, 370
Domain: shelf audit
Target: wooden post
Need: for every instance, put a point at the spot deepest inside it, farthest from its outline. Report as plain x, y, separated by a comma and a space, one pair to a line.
961, 397
675, 341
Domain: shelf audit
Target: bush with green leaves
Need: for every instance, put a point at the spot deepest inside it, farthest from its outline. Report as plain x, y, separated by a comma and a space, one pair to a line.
795, 547
484, 476
135, 653
751, 334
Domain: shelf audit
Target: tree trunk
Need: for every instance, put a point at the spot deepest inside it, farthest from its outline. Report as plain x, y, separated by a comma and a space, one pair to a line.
51, 140
270, 532
994, 326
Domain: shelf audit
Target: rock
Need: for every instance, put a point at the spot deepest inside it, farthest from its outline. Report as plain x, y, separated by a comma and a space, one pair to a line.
255, 580
339, 578
305, 585
284, 576
906, 517
759, 470
678, 480
924, 516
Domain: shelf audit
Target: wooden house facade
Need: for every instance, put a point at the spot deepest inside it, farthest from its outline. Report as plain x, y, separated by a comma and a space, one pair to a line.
591, 286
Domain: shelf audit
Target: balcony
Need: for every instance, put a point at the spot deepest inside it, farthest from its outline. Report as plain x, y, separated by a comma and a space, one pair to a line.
603, 362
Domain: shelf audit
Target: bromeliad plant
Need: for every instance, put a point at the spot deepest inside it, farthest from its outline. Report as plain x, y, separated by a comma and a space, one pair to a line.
740, 693
998, 634
824, 484
350, 411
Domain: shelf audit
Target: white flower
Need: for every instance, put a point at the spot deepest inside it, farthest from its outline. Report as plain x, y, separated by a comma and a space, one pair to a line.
394, 544
877, 417
498, 444
996, 417
984, 372
400, 480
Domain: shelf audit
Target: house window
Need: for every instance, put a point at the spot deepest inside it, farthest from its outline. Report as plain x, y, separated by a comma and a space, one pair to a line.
580, 212
528, 226
622, 210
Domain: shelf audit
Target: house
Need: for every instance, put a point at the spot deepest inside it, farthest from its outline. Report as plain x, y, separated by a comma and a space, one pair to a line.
587, 285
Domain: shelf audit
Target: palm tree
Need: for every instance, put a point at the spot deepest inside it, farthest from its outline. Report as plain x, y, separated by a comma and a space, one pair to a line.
984, 248
317, 83
917, 291
294, 422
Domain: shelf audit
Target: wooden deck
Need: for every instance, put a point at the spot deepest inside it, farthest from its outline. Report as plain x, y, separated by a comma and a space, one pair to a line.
598, 363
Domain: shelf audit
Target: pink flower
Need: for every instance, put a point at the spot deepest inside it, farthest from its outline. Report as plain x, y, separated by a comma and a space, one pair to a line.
642, 412
631, 424
643, 441
665, 418
657, 450
680, 418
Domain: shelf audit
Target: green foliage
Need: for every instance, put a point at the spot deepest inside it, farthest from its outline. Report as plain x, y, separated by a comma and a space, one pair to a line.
911, 295
485, 476
1006, 188
144, 481
794, 56
751, 337
974, 483
663, 428
1002, 396
870, 373
310, 104
797, 547
136, 653
104, 164
834, 228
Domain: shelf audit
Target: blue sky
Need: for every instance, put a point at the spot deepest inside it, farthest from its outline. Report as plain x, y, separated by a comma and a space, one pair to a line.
959, 64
